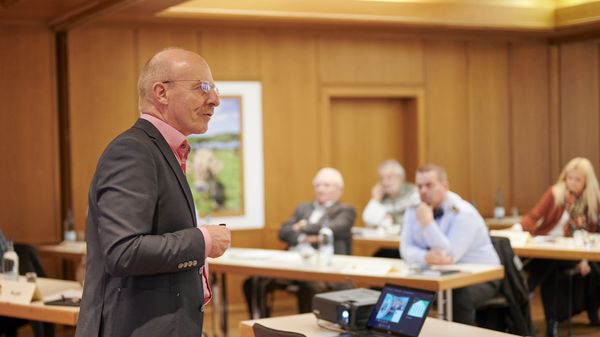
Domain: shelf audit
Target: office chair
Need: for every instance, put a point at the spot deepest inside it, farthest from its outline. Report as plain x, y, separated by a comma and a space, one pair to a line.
509, 311
263, 331
577, 294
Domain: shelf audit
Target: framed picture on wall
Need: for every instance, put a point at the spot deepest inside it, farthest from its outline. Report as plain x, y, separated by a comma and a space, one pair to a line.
225, 166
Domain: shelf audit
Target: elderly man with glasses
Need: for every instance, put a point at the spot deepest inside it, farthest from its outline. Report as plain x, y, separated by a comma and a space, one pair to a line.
146, 272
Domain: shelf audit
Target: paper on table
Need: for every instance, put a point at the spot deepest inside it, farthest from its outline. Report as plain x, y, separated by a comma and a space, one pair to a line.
69, 293
516, 238
370, 268
370, 233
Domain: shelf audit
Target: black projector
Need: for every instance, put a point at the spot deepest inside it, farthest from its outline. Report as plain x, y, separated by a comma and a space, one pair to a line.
350, 309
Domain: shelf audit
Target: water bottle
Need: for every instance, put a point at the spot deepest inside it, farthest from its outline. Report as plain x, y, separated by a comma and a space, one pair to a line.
325, 243
69, 227
10, 263
499, 211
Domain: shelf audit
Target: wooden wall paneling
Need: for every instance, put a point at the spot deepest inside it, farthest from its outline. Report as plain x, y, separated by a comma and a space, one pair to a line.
152, 40
363, 126
373, 60
530, 124
290, 122
103, 101
233, 55
554, 101
489, 124
579, 108
447, 133
290, 136
30, 204
365, 132
414, 134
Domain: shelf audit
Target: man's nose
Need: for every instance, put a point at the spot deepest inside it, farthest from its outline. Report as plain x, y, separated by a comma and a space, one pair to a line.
213, 98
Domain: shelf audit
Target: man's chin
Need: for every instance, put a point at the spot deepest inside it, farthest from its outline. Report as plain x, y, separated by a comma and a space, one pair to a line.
200, 130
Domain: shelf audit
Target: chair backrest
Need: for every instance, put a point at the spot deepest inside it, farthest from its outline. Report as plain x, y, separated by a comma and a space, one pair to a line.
264, 331
28, 260
514, 287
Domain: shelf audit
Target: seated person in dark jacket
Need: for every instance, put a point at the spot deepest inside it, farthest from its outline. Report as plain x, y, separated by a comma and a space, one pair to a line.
303, 227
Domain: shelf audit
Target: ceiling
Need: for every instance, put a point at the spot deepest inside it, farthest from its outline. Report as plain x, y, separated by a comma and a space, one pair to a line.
492, 14
507, 15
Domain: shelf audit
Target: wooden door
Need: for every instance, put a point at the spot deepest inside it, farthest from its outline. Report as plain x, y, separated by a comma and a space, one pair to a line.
365, 131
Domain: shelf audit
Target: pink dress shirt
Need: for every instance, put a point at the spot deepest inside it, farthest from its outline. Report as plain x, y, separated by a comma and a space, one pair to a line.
181, 149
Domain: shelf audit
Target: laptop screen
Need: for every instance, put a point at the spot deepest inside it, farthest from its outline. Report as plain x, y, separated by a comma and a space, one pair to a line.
400, 311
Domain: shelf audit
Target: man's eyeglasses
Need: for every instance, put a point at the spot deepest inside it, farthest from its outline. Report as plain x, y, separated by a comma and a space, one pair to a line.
205, 86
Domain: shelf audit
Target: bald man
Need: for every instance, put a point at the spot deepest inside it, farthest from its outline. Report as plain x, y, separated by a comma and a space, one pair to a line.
145, 272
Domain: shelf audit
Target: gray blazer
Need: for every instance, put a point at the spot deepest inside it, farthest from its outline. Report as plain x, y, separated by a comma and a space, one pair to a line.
341, 219
143, 250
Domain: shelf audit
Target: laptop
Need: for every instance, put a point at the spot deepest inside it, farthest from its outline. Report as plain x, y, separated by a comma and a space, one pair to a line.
399, 311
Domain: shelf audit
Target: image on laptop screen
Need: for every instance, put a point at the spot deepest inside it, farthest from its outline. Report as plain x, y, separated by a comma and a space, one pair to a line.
400, 311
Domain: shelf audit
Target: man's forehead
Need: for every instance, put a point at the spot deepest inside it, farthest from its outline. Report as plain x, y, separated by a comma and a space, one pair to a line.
388, 171
324, 181
189, 65
426, 176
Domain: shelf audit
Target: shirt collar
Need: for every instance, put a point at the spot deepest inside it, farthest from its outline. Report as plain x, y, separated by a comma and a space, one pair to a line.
174, 138
327, 204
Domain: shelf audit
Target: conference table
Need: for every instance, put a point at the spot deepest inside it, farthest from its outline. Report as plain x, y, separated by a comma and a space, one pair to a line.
66, 250
501, 223
38, 311
70, 253
366, 241
354, 270
562, 248
307, 324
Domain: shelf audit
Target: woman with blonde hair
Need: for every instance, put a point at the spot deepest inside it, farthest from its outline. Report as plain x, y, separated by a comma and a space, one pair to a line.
570, 205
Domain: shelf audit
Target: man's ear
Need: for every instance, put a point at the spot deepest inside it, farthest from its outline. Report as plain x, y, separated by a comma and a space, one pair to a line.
159, 91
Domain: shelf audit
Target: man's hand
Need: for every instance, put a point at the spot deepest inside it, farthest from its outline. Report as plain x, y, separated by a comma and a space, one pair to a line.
584, 267
299, 225
221, 239
424, 214
438, 256
377, 192
312, 239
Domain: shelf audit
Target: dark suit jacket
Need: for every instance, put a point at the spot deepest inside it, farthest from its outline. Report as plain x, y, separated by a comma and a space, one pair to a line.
341, 219
143, 250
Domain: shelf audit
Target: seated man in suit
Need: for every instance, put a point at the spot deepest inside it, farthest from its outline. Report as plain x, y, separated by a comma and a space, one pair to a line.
445, 229
303, 227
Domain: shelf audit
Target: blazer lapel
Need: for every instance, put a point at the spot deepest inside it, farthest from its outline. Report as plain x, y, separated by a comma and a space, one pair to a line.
169, 156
